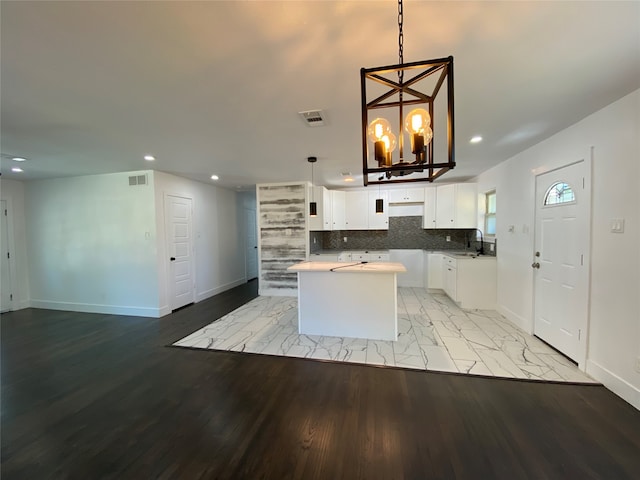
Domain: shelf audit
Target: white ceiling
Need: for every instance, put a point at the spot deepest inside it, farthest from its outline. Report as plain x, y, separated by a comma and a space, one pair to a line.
215, 87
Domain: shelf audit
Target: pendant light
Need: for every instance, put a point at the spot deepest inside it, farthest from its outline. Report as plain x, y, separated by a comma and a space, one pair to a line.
313, 206
425, 81
379, 203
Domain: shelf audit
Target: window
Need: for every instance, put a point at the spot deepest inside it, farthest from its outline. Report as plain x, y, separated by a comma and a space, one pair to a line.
490, 213
558, 193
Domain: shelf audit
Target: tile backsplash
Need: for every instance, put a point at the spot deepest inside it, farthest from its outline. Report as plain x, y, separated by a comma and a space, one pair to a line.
404, 232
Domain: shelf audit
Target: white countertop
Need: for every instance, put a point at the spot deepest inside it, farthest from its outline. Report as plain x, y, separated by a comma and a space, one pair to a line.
367, 267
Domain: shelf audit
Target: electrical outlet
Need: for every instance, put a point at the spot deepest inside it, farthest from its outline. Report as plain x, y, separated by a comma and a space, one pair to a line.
638, 364
344, 239
448, 238
315, 240
492, 247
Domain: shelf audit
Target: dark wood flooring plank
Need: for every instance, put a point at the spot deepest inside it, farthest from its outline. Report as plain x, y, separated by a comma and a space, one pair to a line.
102, 396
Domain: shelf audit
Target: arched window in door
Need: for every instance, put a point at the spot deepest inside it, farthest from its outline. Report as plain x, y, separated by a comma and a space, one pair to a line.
559, 193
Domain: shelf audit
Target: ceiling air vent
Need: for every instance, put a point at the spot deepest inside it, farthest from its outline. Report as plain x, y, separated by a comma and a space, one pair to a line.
313, 118
137, 180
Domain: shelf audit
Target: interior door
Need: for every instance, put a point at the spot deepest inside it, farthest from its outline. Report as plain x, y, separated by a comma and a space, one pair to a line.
180, 239
6, 295
560, 258
251, 243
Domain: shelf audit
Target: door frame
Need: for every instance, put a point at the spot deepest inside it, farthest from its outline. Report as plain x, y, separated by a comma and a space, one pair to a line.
583, 345
167, 248
254, 217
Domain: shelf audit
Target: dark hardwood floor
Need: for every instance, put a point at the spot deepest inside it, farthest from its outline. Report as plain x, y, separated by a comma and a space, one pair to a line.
88, 396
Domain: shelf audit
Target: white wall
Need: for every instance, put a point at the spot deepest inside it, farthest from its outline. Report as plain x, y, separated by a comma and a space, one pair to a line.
13, 192
218, 241
614, 313
91, 244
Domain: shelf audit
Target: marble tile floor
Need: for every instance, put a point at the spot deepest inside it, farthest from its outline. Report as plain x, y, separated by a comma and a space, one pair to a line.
434, 335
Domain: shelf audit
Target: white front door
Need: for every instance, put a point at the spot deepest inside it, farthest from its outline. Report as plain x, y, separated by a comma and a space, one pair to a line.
560, 259
180, 243
6, 295
251, 243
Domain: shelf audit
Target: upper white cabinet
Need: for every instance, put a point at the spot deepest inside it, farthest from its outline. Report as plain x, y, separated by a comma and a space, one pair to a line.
355, 210
406, 195
378, 221
322, 197
456, 206
337, 210
429, 216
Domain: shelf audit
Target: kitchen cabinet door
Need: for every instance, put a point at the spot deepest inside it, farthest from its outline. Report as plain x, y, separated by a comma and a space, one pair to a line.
429, 216
378, 221
337, 210
434, 274
450, 279
445, 206
456, 206
355, 210
406, 195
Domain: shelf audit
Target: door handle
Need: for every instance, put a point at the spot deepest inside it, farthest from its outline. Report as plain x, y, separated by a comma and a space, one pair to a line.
535, 265
173, 259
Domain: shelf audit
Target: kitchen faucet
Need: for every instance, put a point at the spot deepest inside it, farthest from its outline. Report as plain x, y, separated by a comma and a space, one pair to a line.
481, 251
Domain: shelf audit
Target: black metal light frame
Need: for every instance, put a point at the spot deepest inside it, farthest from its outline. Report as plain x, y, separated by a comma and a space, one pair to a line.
423, 168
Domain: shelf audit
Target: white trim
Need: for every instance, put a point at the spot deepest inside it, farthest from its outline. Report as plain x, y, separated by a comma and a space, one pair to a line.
222, 288
97, 308
516, 319
278, 292
614, 383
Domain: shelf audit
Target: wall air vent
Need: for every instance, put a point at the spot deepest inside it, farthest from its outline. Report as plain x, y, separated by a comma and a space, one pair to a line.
313, 118
137, 180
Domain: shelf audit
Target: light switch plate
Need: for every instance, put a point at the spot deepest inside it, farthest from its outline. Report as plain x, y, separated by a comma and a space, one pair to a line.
617, 225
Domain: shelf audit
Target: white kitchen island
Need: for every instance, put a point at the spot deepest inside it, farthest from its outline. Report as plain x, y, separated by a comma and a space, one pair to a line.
348, 299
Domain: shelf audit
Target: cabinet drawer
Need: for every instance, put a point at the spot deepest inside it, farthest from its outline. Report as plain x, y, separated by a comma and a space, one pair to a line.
360, 257
450, 262
379, 257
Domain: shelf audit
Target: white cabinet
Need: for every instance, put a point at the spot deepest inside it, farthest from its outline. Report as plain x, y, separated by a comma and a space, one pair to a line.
323, 257
471, 282
337, 210
429, 216
355, 210
456, 206
450, 277
344, 257
406, 195
434, 271
322, 197
360, 211
378, 221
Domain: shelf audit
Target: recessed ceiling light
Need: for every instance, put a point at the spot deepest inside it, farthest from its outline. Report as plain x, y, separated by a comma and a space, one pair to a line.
476, 139
149, 158
16, 169
215, 177
19, 159
347, 177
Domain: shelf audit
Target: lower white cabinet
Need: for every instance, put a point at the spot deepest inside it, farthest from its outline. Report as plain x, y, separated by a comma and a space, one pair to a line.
323, 257
433, 271
471, 282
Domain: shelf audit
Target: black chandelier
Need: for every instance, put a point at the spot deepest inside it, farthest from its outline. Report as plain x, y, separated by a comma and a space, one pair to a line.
395, 96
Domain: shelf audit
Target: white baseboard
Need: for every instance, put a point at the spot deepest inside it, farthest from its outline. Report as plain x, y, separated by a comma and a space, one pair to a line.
96, 308
613, 382
222, 288
519, 321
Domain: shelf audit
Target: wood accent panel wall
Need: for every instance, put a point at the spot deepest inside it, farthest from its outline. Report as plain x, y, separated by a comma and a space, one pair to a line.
283, 236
